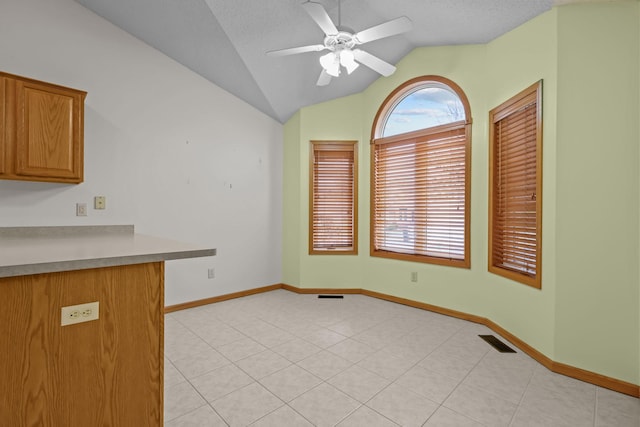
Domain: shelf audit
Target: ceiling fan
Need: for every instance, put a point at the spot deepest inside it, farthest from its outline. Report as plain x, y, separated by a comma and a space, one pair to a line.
341, 44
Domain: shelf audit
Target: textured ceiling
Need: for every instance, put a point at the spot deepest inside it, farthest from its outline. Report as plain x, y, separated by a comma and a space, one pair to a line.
225, 40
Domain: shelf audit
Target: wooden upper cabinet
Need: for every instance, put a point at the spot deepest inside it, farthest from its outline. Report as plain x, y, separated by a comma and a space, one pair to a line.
3, 128
43, 132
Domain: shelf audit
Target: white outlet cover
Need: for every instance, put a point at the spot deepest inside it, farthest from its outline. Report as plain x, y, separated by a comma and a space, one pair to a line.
99, 202
80, 313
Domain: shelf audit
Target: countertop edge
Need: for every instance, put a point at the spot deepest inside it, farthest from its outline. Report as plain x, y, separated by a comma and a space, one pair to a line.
85, 264
85, 247
66, 231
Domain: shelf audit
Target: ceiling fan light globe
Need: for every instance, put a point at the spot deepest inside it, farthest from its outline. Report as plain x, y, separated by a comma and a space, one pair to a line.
327, 59
351, 67
334, 71
331, 64
347, 61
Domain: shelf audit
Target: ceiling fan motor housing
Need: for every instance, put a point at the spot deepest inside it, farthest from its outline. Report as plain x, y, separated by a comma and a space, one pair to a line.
340, 41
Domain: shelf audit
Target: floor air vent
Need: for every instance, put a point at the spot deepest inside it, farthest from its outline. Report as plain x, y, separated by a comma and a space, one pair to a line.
497, 344
330, 296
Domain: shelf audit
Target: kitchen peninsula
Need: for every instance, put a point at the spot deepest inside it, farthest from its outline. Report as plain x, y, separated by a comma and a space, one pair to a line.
107, 371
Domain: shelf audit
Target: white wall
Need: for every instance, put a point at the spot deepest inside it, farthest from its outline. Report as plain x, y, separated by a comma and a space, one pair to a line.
174, 154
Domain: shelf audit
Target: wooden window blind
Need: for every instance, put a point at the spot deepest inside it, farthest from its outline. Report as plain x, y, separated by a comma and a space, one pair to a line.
333, 197
420, 195
515, 187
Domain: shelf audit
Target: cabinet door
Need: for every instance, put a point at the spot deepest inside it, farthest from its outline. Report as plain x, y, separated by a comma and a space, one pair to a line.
3, 126
7, 126
49, 141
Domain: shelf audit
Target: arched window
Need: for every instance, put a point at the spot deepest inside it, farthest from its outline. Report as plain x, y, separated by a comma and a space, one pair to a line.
420, 174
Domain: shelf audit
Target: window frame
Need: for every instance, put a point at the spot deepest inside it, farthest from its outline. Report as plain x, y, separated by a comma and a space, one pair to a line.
513, 105
387, 106
335, 146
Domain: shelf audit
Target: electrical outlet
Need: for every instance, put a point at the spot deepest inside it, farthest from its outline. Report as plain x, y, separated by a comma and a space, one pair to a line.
81, 209
211, 273
80, 313
414, 276
99, 202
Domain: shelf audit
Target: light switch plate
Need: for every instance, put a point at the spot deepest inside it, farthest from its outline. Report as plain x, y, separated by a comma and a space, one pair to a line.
81, 209
80, 313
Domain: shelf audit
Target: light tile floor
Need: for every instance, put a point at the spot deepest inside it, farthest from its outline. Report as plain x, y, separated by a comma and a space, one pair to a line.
281, 359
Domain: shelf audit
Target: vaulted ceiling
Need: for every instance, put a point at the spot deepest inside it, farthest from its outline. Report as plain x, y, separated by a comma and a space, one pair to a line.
225, 41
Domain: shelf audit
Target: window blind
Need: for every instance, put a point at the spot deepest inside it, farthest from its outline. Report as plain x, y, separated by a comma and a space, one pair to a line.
420, 188
515, 187
333, 197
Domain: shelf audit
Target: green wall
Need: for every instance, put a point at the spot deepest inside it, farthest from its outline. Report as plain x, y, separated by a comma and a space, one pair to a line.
597, 189
291, 195
329, 121
587, 286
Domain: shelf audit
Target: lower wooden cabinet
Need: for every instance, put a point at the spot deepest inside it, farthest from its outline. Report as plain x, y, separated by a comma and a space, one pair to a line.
42, 131
106, 372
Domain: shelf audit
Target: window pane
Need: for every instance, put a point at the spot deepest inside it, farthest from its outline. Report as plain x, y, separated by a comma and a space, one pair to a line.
431, 105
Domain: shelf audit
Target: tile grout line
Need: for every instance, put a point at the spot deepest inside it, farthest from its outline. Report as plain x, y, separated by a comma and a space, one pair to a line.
526, 389
461, 382
595, 407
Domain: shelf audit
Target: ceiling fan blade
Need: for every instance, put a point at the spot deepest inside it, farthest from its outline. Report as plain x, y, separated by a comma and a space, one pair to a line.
318, 14
294, 50
324, 79
387, 29
373, 62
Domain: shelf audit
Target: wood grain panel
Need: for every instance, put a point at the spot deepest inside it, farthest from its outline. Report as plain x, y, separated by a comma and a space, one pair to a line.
107, 372
49, 138
3, 125
8, 132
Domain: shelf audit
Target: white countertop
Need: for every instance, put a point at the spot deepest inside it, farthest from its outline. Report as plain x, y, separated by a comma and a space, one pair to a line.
34, 250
